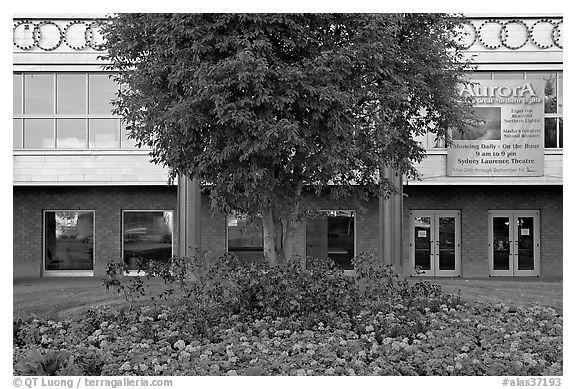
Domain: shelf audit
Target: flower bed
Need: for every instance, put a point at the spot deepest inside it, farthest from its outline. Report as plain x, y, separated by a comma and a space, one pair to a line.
402, 329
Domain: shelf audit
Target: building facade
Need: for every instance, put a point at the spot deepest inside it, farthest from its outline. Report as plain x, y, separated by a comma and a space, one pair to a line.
83, 194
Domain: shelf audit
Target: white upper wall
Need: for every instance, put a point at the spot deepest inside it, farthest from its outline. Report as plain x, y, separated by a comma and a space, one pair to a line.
72, 42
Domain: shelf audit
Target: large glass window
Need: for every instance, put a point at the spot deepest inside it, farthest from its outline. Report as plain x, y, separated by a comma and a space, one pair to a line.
68, 240
331, 235
104, 133
70, 110
71, 133
39, 93
38, 134
17, 134
102, 91
553, 100
17, 95
245, 236
146, 235
71, 90
553, 106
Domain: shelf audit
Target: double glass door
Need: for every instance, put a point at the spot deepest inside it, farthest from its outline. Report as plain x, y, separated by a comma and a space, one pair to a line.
514, 243
435, 242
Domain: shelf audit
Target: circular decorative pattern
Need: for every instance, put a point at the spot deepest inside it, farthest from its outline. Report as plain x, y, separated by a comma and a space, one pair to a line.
70, 40
533, 35
483, 41
25, 24
557, 34
504, 35
492, 33
472, 35
38, 35
90, 36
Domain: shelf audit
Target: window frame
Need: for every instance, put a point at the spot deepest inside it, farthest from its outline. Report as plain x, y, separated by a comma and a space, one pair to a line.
228, 236
355, 237
137, 272
55, 116
354, 214
428, 138
66, 273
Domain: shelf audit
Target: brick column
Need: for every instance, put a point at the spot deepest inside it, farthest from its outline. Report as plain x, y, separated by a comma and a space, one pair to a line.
189, 231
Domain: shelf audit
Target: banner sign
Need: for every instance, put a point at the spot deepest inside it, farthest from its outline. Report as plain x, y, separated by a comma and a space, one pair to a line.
509, 140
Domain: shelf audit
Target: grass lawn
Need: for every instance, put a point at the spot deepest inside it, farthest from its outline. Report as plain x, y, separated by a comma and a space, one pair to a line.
64, 297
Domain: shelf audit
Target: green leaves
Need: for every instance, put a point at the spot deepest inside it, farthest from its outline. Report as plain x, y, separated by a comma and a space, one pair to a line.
295, 322
260, 105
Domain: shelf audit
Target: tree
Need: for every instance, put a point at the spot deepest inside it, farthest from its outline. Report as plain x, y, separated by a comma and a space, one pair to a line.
263, 108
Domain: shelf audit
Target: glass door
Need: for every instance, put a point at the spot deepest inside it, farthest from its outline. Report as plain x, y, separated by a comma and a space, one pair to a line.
526, 243
501, 243
447, 243
422, 242
514, 243
435, 242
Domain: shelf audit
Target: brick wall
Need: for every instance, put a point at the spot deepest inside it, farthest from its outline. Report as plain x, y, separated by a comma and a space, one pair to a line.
474, 202
108, 202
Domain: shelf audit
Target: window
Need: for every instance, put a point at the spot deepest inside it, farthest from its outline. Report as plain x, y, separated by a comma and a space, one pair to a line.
71, 134
71, 97
102, 90
17, 134
553, 100
39, 134
66, 111
553, 106
331, 235
245, 236
68, 240
146, 235
104, 133
38, 93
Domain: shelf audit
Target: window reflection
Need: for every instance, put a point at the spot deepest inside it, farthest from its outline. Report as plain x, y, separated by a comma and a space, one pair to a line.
550, 132
17, 134
17, 94
245, 236
501, 239
331, 235
146, 235
38, 93
78, 96
71, 91
71, 133
68, 240
38, 133
104, 133
550, 96
422, 243
561, 124
102, 91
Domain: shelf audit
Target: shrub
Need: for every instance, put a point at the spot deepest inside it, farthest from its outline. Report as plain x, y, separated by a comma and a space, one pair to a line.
116, 278
48, 364
222, 316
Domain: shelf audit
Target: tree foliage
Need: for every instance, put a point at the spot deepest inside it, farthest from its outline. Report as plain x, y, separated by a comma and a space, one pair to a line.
264, 107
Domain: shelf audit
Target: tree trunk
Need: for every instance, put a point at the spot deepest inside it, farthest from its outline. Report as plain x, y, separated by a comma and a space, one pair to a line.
279, 237
269, 230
